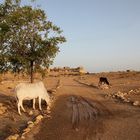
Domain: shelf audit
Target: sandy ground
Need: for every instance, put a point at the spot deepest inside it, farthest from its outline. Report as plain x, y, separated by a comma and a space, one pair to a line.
79, 111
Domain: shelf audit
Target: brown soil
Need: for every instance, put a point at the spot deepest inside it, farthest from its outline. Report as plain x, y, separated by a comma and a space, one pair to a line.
79, 111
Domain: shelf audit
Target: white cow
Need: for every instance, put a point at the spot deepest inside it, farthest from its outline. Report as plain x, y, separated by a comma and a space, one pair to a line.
28, 91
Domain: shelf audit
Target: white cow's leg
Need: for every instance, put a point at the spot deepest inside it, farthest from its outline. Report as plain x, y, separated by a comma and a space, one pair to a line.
34, 103
22, 106
48, 106
19, 104
40, 104
47, 103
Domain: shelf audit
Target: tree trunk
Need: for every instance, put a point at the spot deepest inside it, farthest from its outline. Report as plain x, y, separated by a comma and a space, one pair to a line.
31, 72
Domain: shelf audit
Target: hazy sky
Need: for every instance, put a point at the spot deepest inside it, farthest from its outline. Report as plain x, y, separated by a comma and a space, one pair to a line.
102, 35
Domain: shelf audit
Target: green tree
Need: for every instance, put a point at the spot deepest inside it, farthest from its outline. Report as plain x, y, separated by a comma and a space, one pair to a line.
28, 41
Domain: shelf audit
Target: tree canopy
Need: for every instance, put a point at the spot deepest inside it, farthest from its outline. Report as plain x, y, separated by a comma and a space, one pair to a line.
29, 42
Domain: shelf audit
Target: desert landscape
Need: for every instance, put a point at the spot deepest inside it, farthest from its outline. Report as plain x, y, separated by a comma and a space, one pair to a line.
69, 70
80, 110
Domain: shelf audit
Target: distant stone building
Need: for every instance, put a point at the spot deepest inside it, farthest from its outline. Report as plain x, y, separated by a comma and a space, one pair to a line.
68, 70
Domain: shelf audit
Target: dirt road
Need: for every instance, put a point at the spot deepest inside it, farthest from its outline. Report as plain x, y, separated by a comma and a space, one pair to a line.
83, 113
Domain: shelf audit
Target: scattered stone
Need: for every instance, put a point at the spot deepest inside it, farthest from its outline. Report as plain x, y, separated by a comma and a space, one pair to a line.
126, 100
131, 91
13, 137
53, 90
124, 93
30, 125
113, 96
48, 110
26, 130
49, 116
31, 113
123, 98
36, 122
39, 117
104, 86
120, 95
22, 137
29, 122
137, 90
136, 103
58, 87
